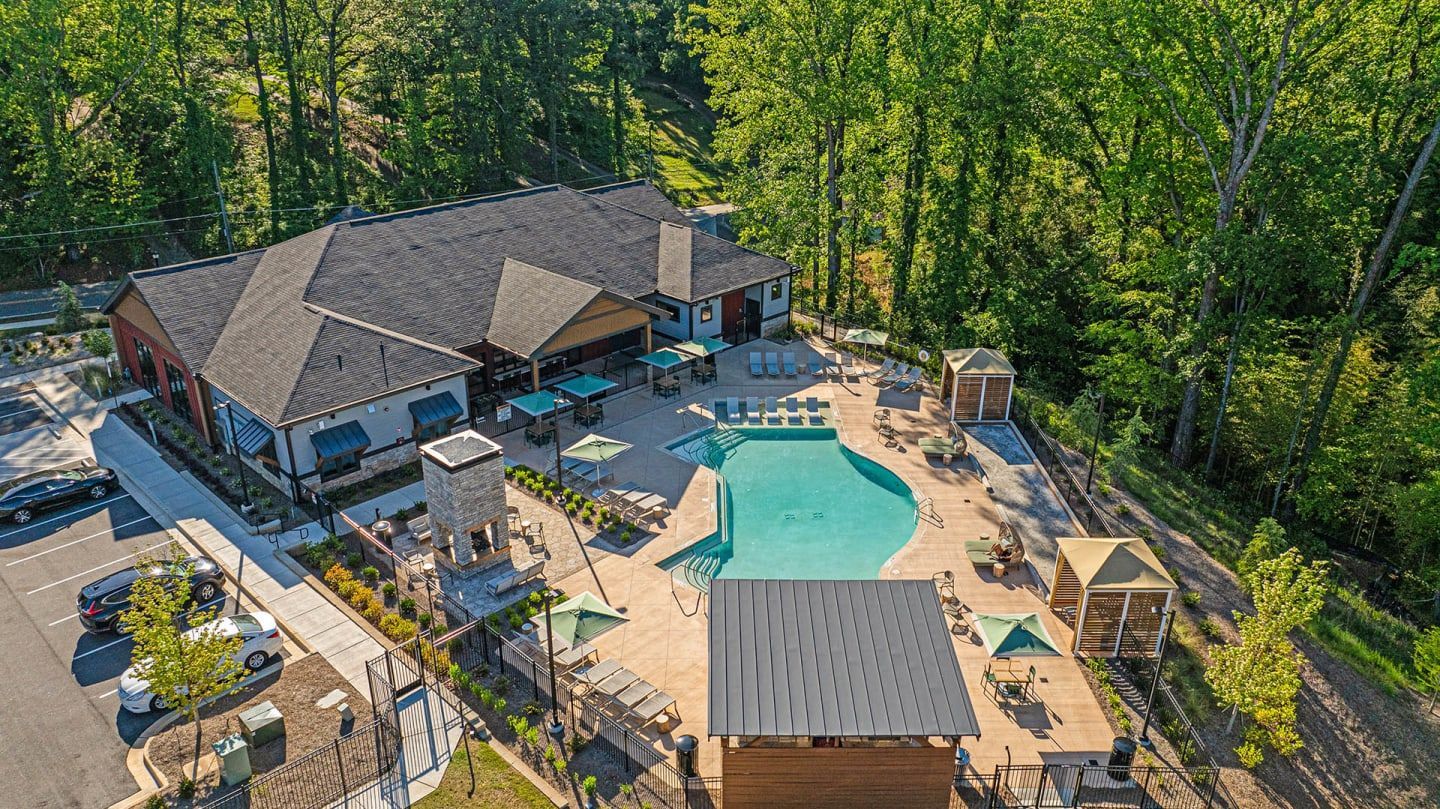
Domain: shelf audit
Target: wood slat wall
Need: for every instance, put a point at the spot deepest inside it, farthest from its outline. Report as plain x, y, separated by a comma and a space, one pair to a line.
997, 396
838, 777
967, 399
1142, 627
1065, 590
1101, 624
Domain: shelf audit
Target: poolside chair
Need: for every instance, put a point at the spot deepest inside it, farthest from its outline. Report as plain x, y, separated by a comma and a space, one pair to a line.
817, 365
732, 410
792, 409
755, 364
885, 367
847, 363
911, 380
651, 708
832, 364
788, 360
812, 409
613, 495
634, 694
772, 410
752, 410
598, 673
772, 363
617, 682
892, 377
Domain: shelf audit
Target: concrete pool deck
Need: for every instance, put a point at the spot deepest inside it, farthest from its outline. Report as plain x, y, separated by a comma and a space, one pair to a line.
665, 639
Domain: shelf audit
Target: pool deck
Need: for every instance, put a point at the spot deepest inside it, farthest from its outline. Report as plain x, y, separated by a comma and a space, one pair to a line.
665, 639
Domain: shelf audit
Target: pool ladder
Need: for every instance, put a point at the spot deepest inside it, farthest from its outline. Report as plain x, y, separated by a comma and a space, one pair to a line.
700, 568
925, 510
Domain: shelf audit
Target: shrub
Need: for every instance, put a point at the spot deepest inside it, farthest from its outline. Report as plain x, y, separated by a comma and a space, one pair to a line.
590, 786
440, 629
155, 802
1144, 532
337, 574
532, 737
396, 628
1210, 628
371, 573
374, 612
318, 557
1191, 598
389, 589
1159, 551
1122, 509
516, 621
402, 514
407, 607
186, 788
424, 620
362, 597
577, 743
560, 767
347, 588
625, 537
354, 559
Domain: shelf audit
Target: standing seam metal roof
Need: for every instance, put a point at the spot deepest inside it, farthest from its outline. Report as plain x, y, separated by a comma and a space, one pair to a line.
833, 658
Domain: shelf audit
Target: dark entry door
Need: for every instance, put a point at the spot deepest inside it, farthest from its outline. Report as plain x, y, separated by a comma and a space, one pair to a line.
752, 319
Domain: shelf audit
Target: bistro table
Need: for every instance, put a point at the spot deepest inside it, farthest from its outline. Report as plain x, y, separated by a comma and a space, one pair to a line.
667, 387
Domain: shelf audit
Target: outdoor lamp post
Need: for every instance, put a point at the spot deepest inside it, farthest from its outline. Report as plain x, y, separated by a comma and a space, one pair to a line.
1168, 616
1095, 444
235, 449
556, 729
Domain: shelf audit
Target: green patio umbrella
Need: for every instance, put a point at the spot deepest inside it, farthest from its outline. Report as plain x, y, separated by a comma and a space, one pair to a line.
595, 448
582, 618
1015, 635
866, 337
702, 346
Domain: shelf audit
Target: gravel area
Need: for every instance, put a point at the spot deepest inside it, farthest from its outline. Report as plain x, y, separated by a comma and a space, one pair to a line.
1022, 493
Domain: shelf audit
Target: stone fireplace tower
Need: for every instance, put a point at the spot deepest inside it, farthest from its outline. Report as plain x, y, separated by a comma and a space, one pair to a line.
465, 490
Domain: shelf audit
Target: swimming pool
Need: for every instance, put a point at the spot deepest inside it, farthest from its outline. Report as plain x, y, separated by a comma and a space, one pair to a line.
797, 505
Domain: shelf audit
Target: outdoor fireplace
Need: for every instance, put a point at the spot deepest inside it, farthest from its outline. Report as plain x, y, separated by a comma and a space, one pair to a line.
465, 490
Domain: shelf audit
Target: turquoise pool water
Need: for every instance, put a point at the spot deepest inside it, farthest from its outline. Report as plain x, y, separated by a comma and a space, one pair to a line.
799, 505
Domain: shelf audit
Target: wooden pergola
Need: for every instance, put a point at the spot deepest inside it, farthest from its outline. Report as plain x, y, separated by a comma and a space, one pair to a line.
977, 382
1109, 585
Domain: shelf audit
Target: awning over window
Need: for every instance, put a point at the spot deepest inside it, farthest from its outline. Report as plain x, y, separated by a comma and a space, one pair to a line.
332, 442
253, 437
432, 409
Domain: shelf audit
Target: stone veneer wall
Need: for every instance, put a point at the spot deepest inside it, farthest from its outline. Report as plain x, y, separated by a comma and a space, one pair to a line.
370, 465
462, 501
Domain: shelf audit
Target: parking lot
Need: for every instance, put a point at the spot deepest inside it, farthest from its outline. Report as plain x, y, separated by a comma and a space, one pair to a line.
31, 440
65, 735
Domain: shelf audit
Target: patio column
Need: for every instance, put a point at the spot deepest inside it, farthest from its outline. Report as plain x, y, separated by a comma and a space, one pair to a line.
535, 374
649, 341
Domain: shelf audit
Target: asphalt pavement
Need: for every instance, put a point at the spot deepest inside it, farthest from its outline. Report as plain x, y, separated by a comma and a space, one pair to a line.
64, 734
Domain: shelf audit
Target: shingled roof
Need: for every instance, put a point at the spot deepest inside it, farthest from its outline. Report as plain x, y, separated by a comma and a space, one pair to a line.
296, 329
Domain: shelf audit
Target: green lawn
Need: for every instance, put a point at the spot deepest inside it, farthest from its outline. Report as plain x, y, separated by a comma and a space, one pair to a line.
497, 784
684, 163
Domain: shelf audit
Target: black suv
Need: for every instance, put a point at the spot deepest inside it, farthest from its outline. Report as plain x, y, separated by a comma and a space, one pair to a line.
101, 602
55, 489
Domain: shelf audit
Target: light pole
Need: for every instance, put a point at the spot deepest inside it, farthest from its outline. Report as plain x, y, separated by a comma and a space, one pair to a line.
556, 729
1168, 617
235, 449
1095, 444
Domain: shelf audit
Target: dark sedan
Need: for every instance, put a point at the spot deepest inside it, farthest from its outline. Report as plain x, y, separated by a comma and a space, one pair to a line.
54, 489
101, 602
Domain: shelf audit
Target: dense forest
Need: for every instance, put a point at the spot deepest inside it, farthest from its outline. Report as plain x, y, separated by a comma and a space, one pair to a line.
1222, 215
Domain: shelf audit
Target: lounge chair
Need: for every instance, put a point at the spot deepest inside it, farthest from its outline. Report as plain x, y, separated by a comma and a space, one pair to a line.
646, 506
514, 579
847, 364
911, 380
885, 367
772, 410
772, 363
817, 365
792, 409
598, 673
613, 495
617, 682
654, 705
574, 656
420, 527
812, 409
935, 446
981, 552
755, 364
788, 361
635, 693
832, 364
752, 410
892, 377
732, 410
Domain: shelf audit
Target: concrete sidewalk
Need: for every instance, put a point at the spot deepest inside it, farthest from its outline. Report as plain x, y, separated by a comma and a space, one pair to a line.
430, 729
179, 501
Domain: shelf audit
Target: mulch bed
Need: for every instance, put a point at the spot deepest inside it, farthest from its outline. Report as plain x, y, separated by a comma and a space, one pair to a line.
294, 691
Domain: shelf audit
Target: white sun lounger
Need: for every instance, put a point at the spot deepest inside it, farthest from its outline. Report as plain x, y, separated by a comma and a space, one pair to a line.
885, 367
792, 409
812, 409
732, 410
772, 410
654, 705
894, 376
617, 682
614, 494
832, 364
788, 361
599, 672
911, 380
755, 363
847, 362
772, 363
634, 694
752, 410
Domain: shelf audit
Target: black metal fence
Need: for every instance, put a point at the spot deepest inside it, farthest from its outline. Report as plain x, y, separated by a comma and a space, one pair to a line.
832, 329
1168, 716
1052, 458
1099, 786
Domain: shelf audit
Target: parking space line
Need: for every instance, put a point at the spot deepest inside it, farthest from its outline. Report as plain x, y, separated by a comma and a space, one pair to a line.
112, 692
99, 567
69, 617
112, 529
102, 648
71, 515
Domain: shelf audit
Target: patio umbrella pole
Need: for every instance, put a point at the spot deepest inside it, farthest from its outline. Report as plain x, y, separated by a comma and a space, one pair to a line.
556, 417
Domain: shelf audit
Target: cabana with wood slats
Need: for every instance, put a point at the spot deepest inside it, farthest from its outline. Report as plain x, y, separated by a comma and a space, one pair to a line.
977, 382
1106, 584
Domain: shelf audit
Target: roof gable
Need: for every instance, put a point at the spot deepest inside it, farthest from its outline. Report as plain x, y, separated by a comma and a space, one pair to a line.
1114, 564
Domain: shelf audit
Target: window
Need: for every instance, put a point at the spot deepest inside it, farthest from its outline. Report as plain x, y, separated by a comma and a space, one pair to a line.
149, 379
433, 430
179, 392
777, 290
707, 313
339, 465
672, 311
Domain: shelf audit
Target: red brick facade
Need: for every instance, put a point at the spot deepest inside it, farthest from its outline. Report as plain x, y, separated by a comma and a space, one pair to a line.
126, 334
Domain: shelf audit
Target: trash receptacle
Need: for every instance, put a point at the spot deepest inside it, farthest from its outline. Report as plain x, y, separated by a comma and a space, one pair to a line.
685, 747
382, 531
234, 756
1122, 752
262, 724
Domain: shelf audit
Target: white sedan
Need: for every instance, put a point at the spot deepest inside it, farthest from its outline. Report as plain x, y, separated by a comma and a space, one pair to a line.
261, 641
